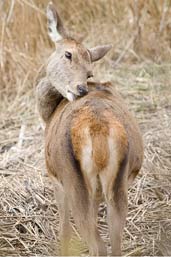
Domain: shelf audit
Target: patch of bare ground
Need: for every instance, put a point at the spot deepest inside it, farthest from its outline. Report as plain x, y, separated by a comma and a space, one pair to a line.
29, 221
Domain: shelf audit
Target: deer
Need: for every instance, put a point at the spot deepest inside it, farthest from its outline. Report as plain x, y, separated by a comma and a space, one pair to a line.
93, 144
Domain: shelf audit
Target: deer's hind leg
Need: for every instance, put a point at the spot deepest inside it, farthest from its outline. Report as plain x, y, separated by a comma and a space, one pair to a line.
114, 186
85, 217
116, 213
65, 230
84, 210
83, 206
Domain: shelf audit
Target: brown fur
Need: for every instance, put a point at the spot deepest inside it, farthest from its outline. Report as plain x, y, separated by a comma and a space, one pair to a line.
99, 124
98, 127
102, 111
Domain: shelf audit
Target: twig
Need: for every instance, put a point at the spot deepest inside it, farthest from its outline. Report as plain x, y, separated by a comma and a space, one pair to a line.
10, 10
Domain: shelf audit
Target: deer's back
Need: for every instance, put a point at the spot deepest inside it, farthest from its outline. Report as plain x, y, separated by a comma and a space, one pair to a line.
94, 125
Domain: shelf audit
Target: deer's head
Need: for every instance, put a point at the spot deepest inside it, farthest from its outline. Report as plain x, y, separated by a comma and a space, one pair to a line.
70, 66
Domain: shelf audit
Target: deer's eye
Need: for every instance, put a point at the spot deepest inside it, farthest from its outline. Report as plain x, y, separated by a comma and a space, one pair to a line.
89, 76
68, 55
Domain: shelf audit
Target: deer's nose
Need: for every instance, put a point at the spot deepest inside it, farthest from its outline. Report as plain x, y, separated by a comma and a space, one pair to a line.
82, 90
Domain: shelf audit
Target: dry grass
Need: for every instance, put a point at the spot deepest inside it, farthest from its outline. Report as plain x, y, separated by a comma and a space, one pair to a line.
28, 214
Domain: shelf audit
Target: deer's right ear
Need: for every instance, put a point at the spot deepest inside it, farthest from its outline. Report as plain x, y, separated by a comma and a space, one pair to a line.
56, 30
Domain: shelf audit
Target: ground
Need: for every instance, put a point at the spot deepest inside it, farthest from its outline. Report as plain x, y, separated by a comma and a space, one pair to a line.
29, 221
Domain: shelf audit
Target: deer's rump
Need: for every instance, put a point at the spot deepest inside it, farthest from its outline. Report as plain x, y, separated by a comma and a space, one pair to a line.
86, 138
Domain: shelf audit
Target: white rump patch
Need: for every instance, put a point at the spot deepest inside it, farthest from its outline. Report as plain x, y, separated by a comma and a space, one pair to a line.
108, 175
87, 163
86, 160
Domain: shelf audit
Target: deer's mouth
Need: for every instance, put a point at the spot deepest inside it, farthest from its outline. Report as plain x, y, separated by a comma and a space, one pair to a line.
71, 96
82, 91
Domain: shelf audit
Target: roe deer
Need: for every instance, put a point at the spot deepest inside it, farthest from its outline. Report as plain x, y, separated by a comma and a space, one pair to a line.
93, 146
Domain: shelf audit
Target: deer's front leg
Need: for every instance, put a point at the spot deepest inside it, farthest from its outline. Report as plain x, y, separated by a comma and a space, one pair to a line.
47, 99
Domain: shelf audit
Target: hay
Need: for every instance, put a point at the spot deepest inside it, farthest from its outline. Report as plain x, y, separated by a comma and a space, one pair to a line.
28, 214
29, 221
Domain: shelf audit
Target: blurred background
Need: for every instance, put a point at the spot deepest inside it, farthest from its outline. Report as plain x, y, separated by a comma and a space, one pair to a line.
140, 68
140, 30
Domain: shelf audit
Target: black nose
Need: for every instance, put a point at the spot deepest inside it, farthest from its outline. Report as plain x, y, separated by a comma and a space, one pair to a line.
82, 90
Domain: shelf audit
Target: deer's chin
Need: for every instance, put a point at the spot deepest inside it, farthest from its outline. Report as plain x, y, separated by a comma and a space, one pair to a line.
70, 96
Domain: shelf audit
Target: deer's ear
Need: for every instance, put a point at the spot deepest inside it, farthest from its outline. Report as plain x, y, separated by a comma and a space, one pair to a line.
98, 52
56, 30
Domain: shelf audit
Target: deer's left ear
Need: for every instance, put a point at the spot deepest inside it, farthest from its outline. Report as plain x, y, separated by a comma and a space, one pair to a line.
98, 52
56, 29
